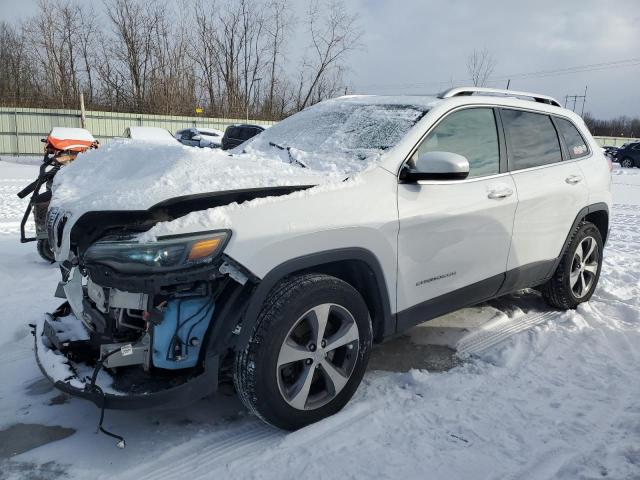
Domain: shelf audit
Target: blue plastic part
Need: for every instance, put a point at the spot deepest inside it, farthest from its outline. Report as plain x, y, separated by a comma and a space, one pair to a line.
175, 350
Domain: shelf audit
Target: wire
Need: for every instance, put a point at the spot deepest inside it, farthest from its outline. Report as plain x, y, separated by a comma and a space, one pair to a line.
92, 386
629, 62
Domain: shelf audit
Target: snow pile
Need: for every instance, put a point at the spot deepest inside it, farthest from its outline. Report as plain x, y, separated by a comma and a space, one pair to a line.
219, 217
322, 144
70, 133
560, 400
129, 175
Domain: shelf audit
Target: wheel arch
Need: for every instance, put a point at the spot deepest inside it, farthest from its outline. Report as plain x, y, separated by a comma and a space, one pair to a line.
357, 266
598, 214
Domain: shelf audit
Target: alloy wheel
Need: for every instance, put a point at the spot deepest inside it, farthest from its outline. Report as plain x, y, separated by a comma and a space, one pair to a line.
584, 267
318, 356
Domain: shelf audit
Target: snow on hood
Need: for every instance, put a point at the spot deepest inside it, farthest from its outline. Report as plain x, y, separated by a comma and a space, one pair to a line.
129, 175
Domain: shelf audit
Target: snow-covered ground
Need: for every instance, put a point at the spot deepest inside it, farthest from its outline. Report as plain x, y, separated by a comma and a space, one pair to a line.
538, 394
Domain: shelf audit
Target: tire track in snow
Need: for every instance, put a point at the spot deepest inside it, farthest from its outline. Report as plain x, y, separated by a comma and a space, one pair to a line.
500, 330
201, 458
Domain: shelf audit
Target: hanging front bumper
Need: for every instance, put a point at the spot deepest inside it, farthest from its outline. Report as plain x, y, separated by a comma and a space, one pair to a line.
59, 342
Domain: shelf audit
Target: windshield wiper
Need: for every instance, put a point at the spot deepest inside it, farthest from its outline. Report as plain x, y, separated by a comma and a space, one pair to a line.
288, 149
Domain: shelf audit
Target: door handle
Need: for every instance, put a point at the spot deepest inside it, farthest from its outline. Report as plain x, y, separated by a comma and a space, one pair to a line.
502, 193
573, 179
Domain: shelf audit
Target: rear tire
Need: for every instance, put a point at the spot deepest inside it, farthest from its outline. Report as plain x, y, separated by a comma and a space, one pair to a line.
627, 163
577, 275
307, 353
44, 250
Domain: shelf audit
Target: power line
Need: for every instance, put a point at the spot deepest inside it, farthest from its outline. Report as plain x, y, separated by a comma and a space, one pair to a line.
629, 62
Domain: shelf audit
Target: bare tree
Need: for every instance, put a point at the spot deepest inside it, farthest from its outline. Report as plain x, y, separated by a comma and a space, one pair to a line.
278, 26
206, 56
16, 83
480, 66
156, 56
333, 34
135, 28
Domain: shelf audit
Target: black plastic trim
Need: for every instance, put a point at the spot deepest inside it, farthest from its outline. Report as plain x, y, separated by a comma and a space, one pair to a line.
449, 302
385, 320
596, 207
527, 276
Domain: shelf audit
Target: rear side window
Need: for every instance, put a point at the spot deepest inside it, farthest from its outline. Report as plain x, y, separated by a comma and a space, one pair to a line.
246, 133
533, 140
471, 133
573, 140
232, 132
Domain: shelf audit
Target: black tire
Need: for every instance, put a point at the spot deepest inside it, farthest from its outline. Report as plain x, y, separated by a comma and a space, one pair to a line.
256, 371
44, 250
558, 291
627, 162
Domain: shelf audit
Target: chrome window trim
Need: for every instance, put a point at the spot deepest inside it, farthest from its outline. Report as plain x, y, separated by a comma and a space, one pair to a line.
466, 180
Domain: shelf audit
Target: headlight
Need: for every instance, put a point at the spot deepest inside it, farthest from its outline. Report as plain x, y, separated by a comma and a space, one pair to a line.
166, 254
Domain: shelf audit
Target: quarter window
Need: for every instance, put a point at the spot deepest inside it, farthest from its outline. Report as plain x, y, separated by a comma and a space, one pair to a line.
573, 140
533, 140
471, 133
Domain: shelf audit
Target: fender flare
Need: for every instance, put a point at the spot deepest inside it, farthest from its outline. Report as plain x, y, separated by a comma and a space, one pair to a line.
596, 207
385, 320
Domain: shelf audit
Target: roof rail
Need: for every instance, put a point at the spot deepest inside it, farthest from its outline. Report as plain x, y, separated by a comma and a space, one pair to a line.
461, 91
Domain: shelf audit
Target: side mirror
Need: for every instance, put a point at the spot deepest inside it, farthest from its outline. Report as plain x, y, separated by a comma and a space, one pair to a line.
437, 166
197, 138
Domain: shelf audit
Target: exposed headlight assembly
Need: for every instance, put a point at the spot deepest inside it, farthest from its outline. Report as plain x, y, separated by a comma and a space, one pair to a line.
166, 254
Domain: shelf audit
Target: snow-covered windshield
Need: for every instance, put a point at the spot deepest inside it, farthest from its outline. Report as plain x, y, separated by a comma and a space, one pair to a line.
341, 135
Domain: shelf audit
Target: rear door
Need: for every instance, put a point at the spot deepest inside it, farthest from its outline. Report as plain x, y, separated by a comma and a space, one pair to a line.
551, 192
454, 235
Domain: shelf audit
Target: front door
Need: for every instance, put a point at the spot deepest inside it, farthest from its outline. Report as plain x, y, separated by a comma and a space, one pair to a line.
454, 236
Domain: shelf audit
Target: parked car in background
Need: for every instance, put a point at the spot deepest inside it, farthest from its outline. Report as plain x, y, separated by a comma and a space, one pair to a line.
149, 134
628, 155
610, 151
234, 135
200, 137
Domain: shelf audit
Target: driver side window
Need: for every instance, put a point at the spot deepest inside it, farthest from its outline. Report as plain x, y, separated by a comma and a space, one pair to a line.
471, 133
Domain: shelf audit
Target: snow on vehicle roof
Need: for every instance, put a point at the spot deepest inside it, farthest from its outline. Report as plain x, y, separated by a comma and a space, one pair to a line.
131, 175
68, 133
149, 134
347, 133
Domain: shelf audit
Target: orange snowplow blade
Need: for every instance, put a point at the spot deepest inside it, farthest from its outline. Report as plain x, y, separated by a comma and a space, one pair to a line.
72, 145
70, 139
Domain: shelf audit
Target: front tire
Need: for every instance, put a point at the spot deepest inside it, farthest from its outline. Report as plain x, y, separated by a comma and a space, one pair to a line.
308, 351
626, 163
577, 275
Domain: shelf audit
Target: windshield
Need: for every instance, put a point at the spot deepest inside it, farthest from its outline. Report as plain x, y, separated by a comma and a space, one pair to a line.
342, 135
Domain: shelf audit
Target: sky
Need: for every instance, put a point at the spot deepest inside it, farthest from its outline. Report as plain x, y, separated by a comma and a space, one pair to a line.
414, 46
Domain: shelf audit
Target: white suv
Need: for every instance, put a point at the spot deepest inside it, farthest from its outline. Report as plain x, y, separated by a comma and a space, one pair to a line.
384, 212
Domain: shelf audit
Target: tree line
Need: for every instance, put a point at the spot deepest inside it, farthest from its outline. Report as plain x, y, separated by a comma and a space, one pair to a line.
155, 56
617, 127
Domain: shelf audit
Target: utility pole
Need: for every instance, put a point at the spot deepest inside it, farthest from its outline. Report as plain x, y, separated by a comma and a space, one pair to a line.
508, 83
575, 100
83, 118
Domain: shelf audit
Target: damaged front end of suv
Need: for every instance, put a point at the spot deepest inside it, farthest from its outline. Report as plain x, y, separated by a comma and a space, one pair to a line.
145, 323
